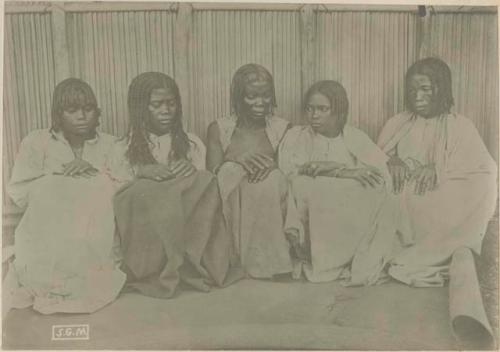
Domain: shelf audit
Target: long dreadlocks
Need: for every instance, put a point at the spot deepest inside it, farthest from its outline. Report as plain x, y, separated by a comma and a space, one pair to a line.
139, 93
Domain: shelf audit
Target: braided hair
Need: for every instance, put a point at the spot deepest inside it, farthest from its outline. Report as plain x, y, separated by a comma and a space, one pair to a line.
139, 93
246, 74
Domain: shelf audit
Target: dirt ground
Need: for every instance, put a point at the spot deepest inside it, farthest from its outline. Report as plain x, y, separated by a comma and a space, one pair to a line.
269, 315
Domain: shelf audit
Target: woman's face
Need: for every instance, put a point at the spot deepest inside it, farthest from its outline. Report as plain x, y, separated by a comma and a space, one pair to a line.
163, 109
422, 95
79, 120
318, 111
257, 100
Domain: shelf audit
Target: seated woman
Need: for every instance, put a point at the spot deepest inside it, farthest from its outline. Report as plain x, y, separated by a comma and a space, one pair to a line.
339, 178
63, 245
169, 212
443, 174
242, 151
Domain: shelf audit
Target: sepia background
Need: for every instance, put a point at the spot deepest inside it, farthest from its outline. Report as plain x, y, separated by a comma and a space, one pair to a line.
366, 48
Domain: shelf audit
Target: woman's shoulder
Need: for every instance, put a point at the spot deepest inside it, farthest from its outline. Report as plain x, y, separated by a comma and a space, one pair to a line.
298, 130
357, 135
107, 139
279, 121
39, 134
460, 125
296, 134
460, 119
398, 118
37, 137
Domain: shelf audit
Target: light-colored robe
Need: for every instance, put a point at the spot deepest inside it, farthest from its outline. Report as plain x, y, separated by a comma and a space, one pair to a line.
258, 214
64, 258
349, 228
454, 215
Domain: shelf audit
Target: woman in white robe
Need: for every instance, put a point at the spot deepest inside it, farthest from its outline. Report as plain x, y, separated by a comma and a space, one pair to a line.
64, 258
339, 180
443, 175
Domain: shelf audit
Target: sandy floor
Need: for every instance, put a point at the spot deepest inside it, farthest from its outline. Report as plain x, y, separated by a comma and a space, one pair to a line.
268, 315
254, 314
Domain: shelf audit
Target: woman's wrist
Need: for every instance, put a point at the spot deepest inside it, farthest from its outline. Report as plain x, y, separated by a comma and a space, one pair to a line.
339, 171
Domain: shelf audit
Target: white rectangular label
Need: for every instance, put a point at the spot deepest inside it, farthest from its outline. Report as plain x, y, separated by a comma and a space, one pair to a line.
71, 332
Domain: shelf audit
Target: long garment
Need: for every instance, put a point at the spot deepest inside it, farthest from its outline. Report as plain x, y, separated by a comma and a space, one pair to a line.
172, 231
348, 228
258, 214
64, 258
454, 215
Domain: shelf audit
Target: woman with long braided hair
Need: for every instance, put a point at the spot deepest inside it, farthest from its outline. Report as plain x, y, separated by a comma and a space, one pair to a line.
169, 213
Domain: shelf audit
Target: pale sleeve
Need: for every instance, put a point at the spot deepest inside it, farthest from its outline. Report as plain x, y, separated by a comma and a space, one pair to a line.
197, 152
467, 153
28, 166
388, 134
290, 157
117, 166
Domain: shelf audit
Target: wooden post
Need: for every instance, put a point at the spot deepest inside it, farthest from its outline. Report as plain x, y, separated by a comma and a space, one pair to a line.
61, 54
308, 38
182, 37
424, 26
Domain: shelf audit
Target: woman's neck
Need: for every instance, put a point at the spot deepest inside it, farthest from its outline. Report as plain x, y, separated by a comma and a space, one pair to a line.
249, 123
75, 141
331, 134
159, 133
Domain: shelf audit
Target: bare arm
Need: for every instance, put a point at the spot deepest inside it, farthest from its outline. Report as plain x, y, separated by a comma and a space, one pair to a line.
215, 152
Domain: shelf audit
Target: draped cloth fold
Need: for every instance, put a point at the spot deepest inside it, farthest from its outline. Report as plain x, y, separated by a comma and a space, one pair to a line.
440, 230
259, 215
64, 259
349, 229
173, 231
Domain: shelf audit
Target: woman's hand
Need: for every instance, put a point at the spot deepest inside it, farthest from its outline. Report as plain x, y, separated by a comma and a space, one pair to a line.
79, 168
399, 173
367, 176
257, 165
253, 162
319, 168
425, 178
155, 172
261, 174
182, 168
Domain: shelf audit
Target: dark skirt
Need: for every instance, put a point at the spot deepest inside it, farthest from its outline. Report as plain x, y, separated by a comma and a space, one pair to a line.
172, 232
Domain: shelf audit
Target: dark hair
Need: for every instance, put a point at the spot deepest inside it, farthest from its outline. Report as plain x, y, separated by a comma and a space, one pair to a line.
139, 93
337, 95
440, 75
72, 92
248, 73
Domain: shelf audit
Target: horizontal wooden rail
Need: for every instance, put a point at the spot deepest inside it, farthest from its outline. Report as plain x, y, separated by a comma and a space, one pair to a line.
114, 6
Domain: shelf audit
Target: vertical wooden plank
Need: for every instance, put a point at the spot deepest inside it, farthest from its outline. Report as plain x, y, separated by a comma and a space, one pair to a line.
61, 55
308, 40
182, 34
